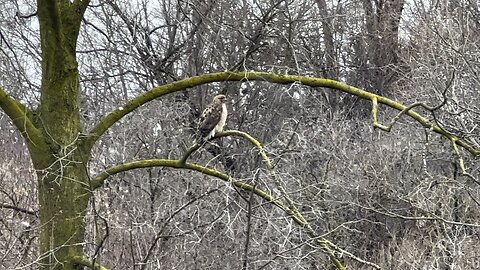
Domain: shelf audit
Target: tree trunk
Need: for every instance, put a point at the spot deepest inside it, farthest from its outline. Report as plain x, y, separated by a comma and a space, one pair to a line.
382, 25
331, 63
60, 159
63, 202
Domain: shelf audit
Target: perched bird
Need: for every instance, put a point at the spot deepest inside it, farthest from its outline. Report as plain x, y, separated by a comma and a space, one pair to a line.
213, 118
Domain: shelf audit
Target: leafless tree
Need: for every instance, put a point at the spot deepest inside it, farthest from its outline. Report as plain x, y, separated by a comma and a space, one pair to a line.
406, 199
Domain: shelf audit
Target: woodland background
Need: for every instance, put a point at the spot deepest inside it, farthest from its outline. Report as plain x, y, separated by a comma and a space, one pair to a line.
398, 199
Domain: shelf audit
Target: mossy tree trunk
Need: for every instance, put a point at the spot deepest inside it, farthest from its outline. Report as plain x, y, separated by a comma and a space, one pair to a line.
57, 151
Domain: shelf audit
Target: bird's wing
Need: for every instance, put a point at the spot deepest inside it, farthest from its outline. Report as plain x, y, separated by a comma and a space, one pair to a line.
209, 119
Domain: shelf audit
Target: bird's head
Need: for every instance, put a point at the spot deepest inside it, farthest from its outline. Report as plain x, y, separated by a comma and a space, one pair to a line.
220, 99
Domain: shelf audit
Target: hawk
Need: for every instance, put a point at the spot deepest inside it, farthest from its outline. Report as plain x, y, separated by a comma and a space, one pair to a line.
213, 118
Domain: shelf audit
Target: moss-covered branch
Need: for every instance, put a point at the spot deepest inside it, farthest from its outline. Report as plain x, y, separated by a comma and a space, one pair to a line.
247, 136
190, 151
254, 141
328, 248
21, 117
394, 120
87, 263
159, 91
453, 139
100, 178
461, 163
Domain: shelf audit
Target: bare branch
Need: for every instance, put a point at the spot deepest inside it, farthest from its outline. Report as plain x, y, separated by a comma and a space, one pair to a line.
248, 229
389, 213
290, 210
444, 93
159, 235
19, 209
397, 117
350, 255
260, 33
190, 151
461, 164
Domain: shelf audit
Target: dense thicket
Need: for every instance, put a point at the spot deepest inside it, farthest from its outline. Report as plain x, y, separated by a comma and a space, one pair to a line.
398, 200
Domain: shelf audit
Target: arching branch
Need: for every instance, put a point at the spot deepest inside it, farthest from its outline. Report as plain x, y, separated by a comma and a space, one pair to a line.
328, 248
21, 117
99, 179
254, 141
394, 120
159, 91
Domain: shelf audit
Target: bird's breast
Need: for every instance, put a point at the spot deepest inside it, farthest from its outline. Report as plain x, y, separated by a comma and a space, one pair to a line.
223, 119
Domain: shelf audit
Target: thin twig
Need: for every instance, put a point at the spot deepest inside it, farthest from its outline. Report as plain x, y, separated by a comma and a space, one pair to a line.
19, 209
249, 225
461, 163
158, 235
